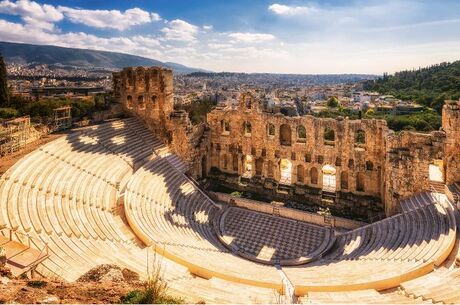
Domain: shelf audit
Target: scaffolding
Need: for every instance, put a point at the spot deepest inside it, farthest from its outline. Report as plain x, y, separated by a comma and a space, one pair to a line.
62, 118
15, 134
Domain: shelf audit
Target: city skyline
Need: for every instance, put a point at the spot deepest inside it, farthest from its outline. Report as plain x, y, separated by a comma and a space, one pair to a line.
244, 36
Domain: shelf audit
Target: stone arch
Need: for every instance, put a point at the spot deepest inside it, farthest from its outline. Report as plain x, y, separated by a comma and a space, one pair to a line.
248, 170
329, 178
270, 169
285, 135
360, 137
225, 125
270, 129
369, 165
247, 128
225, 161
313, 175
344, 180
235, 162
360, 182
285, 171
259, 166
301, 134
436, 171
300, 173
329, 134
140, 102
129, 102
154, 98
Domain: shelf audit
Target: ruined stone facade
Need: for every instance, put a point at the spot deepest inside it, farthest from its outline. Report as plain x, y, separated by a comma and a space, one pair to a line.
357, 165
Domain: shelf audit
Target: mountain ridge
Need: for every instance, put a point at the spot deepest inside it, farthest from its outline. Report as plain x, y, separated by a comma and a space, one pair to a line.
23, 53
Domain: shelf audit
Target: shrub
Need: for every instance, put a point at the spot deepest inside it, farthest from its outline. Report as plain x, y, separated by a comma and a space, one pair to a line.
8, 113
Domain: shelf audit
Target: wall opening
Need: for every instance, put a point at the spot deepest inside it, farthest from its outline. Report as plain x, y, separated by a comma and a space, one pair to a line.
285, 135
235, 162
301, 134
259, 166
140, 102
329, 136
360, 182
435, 171
285, 171
344, 180
129, 102
360, 137
314, 175
300, 174
204, 167
247, 166
225, 125
270, 169
271, 129
247, 128
329, 178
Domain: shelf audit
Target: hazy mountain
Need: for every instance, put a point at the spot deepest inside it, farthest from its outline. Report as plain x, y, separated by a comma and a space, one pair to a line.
82, 58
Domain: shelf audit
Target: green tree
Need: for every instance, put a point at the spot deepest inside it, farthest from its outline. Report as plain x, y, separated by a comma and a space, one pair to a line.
332, 102
4, 94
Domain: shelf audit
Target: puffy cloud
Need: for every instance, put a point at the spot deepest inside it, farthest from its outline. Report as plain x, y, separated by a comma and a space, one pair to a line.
251, 37
281, 9
207, 27
34, 14
114, 19
180, 30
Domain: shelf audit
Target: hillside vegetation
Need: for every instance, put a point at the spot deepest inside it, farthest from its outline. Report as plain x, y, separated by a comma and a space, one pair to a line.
429, 86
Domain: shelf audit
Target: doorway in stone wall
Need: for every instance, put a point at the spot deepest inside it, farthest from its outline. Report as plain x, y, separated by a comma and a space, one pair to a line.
285, 171
329, 178
435, 171
247, 166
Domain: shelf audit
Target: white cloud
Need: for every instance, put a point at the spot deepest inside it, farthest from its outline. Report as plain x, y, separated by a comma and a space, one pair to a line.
207, 27
34, 14
281, 9
114, 19
180, 30
219, 45
251, 37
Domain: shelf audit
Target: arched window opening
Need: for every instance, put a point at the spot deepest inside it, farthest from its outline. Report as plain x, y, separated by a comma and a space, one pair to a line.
247, 128
285, 135
329, 135
140, 102
247, 166
360, 137
225, 125
360, 182
314, 175
344, 180
351, 163
301, 134
154, 98
248, 103
259, 166
300, 173
129, 102
235, 162
270, 169
369, 165
338, 161
270, 129
329, 178
285, 171
436, 171
225, 162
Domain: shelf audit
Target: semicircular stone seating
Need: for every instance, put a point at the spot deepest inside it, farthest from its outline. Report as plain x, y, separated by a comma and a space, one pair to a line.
167, 211
65, 194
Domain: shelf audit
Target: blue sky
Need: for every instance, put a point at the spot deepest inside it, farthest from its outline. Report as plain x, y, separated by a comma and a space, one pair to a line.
297, 36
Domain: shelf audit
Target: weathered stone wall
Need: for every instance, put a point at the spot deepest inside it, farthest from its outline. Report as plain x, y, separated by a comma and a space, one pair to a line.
451, 125
308, 155
409, 155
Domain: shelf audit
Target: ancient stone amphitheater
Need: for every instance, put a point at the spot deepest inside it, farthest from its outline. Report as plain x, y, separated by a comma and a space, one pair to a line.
115, 193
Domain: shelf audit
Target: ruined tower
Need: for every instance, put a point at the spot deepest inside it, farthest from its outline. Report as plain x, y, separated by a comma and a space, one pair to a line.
451, 126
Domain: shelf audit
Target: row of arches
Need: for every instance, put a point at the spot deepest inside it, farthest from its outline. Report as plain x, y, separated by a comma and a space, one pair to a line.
285, 133
328, 173
140, 101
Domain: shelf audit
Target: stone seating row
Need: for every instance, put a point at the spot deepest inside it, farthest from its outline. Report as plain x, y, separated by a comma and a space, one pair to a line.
66, 196
369, 296
417, 201
440, 286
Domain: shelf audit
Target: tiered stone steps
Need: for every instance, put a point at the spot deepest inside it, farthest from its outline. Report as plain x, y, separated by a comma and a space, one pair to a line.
440, 286
65, 195
381, 255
